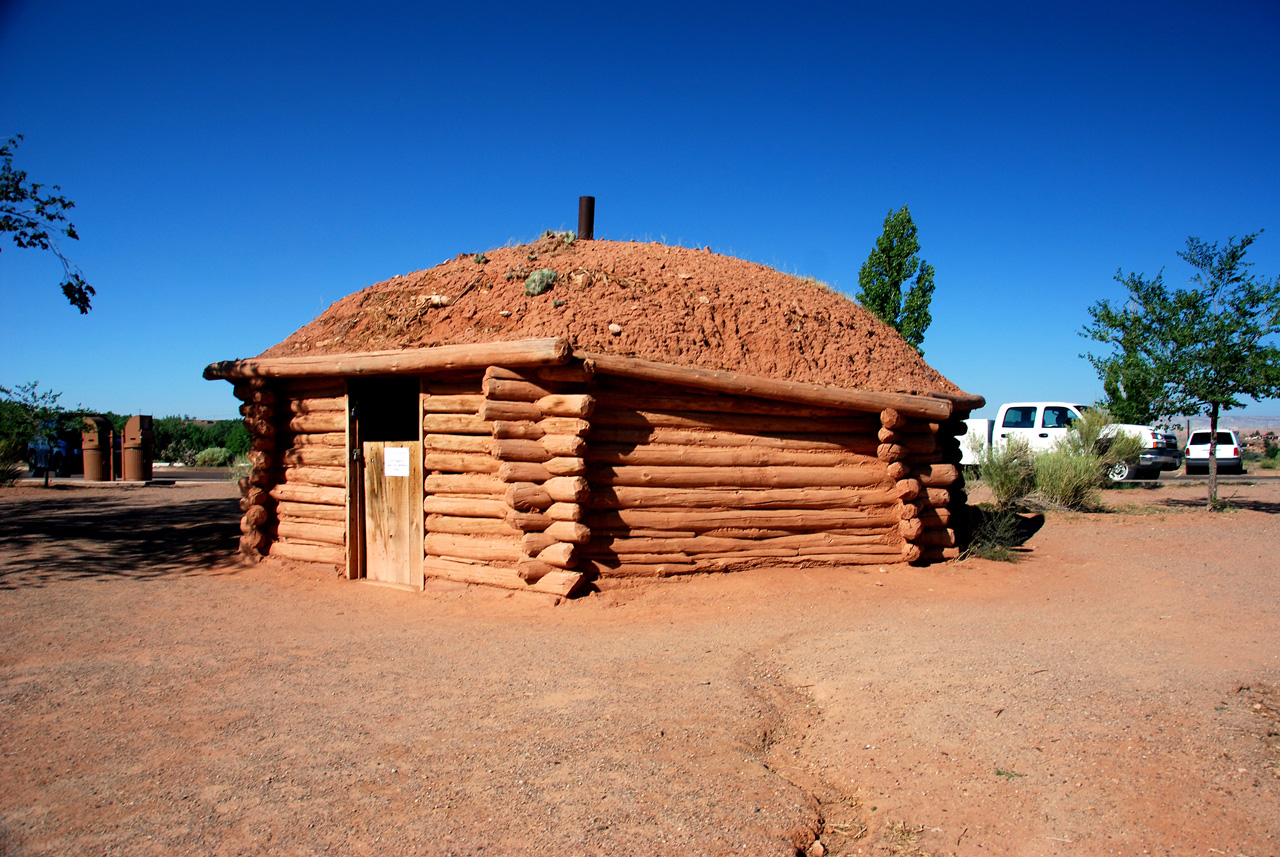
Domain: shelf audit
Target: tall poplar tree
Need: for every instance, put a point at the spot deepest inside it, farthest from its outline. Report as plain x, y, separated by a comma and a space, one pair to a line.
893, 263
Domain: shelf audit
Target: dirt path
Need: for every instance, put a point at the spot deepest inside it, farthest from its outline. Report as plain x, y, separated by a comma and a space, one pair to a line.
1111, 693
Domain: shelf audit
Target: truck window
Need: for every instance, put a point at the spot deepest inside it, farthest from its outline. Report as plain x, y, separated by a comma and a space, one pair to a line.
1019, 417
1058, 417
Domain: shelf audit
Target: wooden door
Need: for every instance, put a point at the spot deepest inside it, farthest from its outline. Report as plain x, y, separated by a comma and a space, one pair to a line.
393, 512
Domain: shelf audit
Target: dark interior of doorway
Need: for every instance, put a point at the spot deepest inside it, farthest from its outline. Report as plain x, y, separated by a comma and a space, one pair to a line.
385, 408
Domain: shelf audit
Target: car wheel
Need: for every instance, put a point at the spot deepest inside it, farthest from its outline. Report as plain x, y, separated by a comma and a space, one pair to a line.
1120, 472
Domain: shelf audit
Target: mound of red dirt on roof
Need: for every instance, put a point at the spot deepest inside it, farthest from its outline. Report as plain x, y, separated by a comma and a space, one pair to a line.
672, 304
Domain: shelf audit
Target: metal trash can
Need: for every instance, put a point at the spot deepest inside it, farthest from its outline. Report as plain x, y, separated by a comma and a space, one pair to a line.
95, 446
138, 445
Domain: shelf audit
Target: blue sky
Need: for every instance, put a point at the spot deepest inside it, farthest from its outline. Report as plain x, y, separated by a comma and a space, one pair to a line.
237, 167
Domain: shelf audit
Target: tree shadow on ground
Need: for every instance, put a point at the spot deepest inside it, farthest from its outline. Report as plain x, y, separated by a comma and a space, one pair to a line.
71, 536
1264, 506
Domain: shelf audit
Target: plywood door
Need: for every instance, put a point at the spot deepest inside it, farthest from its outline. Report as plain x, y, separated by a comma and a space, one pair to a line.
393, 512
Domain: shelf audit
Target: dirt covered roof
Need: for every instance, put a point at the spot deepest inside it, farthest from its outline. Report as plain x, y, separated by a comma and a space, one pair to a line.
671, 304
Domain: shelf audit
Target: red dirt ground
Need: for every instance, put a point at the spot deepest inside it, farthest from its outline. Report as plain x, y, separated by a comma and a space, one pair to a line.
1111, 693
673, 304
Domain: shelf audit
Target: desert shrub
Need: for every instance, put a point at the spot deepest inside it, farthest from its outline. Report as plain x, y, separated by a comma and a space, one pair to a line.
994, 533
539, 281
12, 464
1271, 463
214, 456
1068, 478
1008, 470
1272, 452
1092, 435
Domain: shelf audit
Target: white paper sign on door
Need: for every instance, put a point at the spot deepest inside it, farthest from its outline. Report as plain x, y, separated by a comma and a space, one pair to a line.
395, 461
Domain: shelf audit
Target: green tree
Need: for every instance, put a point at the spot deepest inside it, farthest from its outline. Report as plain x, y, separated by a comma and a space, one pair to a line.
1209, 345
33, 218
1129, 381
893, 262
27, 412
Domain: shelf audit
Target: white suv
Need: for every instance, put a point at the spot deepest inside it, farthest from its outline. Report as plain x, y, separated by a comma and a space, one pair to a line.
1228, 451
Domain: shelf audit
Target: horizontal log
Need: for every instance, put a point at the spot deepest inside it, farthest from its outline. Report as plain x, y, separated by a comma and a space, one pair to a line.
907, 489
624, 497
889, 452
917, 459
564, 445
568, 489
254, 543
530, 570
570, 373
936, 517
927, 407
891, 418
465, 507
741, 423
555, 582
692, 456
310, 494
318, 405
312, 512
525, 496
255, 517
460, 462
934, 553
309, 388
464, 483
565, 466
568, 531
870, 556
578, 405
518, 450
327, 554
511, 390
559, 555
566, 512
494, 410
267, 444
597, 568
409, 361
517, 429
863, 444
460, 404
721, 404
527, 522
468, 526
260, 427
564, 425
316, 456
531, 544
259, 397
472, 547
456, 443
911, 528
455, 424
334, 477
910, 552
693, 545
323, 421
510, 373
937, 538
701, 520
308, 532
258, 412
937, 497
332, 438
937, 475
522, 471
746, 477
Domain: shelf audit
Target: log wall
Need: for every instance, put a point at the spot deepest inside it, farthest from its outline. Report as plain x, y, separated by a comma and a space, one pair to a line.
683, 480
543, 478
311, 491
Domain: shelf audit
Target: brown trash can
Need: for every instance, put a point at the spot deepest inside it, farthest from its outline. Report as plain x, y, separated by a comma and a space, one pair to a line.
138, 448
95, 446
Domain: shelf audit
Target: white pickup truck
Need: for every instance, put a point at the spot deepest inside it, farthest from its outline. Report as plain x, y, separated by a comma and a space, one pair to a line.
1044, 424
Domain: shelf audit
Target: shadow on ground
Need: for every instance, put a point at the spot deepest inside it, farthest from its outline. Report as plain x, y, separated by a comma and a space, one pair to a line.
70, 536
1263, 506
